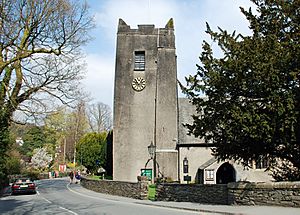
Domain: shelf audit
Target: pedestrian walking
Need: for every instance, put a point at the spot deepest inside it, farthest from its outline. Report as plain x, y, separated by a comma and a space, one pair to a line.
77, 177
71, 175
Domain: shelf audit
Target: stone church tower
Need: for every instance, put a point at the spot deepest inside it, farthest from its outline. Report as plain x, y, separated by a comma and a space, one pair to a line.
145, 101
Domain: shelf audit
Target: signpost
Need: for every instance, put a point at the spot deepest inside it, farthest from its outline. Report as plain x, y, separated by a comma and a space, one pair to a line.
62, 167
187, 178
147, 172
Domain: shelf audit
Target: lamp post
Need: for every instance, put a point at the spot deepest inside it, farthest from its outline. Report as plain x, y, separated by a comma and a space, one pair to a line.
186, 177
65, 145
185, 165
151, 150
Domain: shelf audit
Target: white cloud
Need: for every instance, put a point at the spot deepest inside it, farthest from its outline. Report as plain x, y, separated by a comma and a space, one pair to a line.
189, 16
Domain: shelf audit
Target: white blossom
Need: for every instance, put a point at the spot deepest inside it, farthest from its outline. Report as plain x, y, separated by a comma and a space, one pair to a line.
41, 159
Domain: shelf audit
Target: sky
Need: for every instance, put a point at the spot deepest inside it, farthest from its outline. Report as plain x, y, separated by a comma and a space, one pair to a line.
190, 17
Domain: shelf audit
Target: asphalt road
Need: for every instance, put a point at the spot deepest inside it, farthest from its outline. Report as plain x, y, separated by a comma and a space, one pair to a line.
58, 197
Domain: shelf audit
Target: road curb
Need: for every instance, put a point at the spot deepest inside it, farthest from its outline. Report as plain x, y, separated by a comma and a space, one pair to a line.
188, 209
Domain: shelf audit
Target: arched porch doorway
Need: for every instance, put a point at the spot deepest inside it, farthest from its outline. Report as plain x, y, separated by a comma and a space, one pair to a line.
225, 174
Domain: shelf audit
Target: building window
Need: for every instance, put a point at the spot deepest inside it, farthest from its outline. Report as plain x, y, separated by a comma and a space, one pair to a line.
139, 61
209, 174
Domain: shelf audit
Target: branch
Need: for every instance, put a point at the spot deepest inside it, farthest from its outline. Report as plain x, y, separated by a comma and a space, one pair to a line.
18, 83
5, 84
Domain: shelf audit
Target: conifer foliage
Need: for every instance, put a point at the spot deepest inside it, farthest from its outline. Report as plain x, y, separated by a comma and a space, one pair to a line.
251, 106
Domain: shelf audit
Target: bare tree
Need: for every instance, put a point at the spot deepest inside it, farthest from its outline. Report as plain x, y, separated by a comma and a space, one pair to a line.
70, 124
77, 128
40, 55
40, 50
99, 116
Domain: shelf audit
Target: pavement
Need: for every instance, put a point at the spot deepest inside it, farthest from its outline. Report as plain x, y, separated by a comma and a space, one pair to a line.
197, 207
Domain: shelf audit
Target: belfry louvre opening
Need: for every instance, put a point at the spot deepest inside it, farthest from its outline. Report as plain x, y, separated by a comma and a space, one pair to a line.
139, 60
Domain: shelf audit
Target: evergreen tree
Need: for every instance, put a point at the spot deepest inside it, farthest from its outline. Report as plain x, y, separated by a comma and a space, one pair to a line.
252, 98
34, 138
91, 151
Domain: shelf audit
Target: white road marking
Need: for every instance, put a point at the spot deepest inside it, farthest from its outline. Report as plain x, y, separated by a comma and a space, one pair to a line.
81, 193
47, 200
72, 212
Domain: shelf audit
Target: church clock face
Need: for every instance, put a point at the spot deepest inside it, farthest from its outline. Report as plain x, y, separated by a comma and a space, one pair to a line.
138, 84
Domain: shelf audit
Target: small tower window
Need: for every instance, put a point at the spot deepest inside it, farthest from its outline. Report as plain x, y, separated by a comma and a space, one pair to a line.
139, 61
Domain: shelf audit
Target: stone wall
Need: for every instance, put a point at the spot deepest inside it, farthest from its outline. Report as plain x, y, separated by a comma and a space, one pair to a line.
277, 193
200, 193
239, 193
137, 190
